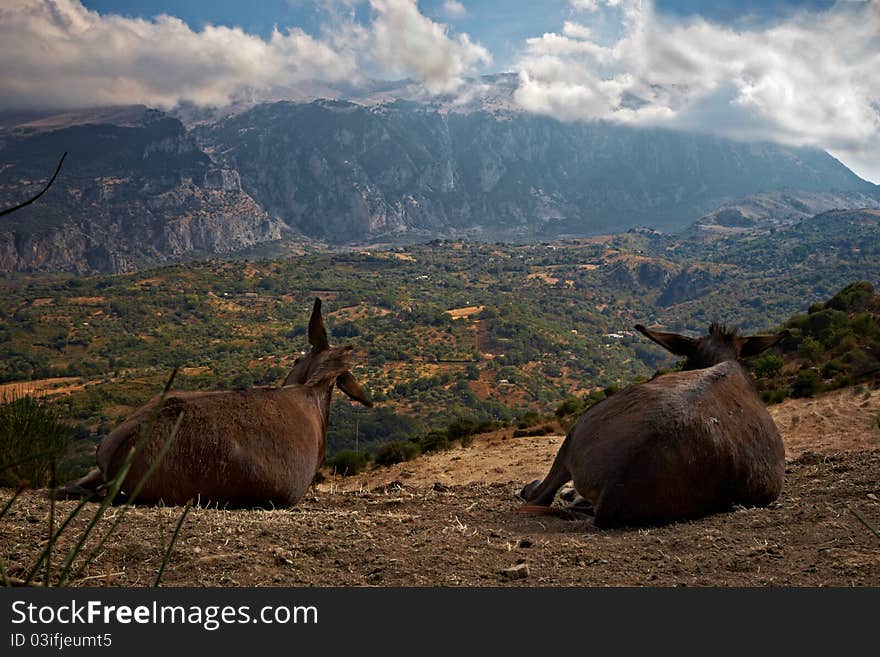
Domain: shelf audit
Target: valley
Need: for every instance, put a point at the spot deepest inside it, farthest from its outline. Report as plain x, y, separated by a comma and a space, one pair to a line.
444, 332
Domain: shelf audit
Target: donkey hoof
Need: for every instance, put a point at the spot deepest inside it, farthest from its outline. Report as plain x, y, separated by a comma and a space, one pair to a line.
528, 490
568, 493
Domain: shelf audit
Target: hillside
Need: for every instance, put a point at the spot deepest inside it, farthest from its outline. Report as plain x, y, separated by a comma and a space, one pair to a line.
846, 420
135, 190
833, 345
770, 210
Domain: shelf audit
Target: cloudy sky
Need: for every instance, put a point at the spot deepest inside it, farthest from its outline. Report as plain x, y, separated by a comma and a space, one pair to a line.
795, 72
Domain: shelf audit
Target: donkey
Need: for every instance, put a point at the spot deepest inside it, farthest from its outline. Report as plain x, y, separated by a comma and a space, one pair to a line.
682, 445
241, 447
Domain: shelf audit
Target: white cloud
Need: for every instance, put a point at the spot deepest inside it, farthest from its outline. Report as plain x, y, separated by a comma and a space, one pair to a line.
454, 9
592, 5
58, 54
811, 80
584, 5
575, 30
405, 42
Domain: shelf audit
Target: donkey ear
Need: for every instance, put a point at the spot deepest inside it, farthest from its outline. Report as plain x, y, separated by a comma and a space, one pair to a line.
679, 345
317, 332
754, 345
349, 385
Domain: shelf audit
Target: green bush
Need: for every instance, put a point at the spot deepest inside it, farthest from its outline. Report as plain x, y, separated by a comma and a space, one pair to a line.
434, 441
348, 462
461, 427
832, 368
807, 384
529, 419
810, 348
396, 452
534, 431
571, 406
768, 365
32, 439
774, 395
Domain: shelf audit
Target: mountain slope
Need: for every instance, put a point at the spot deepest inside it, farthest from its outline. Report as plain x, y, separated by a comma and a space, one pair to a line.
345, 173
139, 189
133, 192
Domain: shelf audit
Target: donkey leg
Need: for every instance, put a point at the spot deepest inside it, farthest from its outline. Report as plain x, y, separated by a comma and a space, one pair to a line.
541, 493
82, 487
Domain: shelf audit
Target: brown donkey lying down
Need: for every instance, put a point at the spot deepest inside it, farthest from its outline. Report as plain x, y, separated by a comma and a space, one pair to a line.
259, 446
681, 445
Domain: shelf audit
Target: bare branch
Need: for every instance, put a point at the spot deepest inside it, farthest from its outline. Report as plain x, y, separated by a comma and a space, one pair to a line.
45, 189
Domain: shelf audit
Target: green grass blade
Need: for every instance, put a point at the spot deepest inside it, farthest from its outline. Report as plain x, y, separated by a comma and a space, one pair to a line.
50, 538
167, 556
867, 524
11, 501
3, 512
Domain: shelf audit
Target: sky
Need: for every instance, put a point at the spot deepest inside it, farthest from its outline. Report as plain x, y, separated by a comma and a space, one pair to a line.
795, 72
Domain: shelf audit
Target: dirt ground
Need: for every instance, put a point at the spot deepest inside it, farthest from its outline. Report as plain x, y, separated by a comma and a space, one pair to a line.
451, 519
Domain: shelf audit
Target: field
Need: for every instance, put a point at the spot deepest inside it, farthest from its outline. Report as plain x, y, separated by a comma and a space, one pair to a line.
451, 519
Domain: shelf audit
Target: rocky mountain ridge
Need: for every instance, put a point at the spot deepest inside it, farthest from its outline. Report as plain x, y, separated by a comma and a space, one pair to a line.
139, 188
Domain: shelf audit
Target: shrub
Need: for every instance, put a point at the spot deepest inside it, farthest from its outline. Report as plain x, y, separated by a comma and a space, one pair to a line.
534, 431
434, 441
396, 452
348, 462
571, 406
32, 439
529, 419
832, 368
610, 390
807, 384
461, 427
774, 396
767, 365
810, 348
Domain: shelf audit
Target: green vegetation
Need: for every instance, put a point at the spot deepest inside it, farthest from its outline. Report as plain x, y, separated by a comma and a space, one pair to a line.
446, 330
834, 345
32, 440
348, 462
396, 452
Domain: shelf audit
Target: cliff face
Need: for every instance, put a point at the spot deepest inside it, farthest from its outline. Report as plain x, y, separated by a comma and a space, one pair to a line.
129, 196
347, 173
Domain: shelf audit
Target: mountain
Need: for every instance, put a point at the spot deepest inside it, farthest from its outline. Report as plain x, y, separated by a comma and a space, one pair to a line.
140, 188
769, 210
135, 190
349, 173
